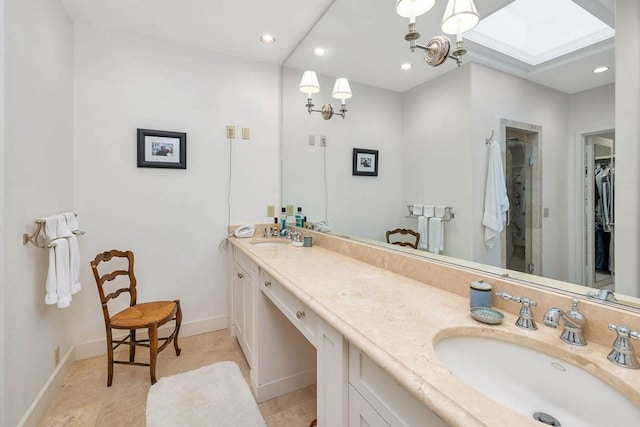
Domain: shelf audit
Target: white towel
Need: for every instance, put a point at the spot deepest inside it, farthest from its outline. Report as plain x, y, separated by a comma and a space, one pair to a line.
439, 211
496, 201
58, 283
423, 229
417, 209
429, 211
74, 252
436, 235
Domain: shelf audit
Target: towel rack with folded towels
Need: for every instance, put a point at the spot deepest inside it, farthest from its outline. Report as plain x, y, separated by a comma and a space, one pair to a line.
447, 216
33, 238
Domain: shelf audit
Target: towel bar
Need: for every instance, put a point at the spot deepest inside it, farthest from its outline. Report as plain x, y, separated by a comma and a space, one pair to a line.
448, 213
33, 238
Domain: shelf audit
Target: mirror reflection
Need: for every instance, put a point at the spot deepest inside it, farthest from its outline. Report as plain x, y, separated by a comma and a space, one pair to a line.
554, 123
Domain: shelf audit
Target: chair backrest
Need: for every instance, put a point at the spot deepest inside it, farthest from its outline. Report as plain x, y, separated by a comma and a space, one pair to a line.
404, 232
111, 274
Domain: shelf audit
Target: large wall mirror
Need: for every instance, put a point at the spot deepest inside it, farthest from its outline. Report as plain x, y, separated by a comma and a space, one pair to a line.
552, 118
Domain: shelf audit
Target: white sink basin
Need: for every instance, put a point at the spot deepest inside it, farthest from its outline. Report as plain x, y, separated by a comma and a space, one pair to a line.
273, 243
529, 381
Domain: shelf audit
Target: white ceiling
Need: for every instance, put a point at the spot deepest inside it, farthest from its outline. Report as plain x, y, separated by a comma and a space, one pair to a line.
364, 39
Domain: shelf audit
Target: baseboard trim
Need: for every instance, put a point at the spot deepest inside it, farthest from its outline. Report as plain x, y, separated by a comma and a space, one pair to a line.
39, 405
187, 329
282, 386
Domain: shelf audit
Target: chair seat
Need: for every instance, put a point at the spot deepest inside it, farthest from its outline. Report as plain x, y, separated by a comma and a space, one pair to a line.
143, 314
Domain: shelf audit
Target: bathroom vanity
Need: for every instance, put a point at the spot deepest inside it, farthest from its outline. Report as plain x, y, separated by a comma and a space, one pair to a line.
363, 323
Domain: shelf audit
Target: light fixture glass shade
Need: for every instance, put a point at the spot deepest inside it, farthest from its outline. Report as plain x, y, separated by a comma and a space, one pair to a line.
420, 7
341, 90
460, 16
309, 83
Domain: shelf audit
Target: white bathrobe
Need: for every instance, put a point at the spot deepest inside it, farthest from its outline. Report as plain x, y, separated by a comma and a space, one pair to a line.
496, 201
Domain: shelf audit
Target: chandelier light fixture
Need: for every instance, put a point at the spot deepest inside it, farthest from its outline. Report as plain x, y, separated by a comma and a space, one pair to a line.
459, 16
341, 90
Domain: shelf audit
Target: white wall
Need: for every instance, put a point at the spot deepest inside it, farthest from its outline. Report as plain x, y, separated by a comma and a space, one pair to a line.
366, 206
173, 220
38, 181
627, 196
3, 369
497, 95
436, 136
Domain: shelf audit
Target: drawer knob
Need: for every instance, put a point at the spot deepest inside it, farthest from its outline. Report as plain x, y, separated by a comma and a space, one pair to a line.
240, 275
300, 314
267, 283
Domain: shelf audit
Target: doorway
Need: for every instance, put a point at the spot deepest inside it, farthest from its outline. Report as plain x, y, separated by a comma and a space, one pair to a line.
599, 183
522, 239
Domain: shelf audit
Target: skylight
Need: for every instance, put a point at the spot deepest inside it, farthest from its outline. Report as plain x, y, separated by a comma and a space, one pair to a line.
536, 31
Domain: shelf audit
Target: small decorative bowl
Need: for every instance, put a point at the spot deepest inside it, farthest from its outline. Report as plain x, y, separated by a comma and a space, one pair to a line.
487, 315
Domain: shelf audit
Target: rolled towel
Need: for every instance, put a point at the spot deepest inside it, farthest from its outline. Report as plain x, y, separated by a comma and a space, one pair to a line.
429, 211
439, 211
417, 209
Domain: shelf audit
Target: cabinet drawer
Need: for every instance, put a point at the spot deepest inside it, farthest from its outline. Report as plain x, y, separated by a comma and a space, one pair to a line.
392, 401
297, 313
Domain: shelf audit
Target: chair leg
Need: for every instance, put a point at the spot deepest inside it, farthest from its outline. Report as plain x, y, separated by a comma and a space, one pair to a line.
132, 345
153, 351
177, 331
109, 357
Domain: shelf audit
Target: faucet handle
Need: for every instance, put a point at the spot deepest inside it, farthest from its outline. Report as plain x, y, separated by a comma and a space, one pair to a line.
525, 320
622, 353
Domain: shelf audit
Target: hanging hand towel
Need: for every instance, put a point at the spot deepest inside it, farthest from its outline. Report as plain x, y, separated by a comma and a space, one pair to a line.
423, 229
74, 252
436, 235
50, 226
496, 201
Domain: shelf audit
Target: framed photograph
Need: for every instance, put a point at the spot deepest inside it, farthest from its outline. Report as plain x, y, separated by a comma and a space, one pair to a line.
162, 149
365, 162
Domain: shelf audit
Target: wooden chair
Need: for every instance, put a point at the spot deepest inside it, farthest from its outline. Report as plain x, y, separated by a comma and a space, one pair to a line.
149, 315
404, 232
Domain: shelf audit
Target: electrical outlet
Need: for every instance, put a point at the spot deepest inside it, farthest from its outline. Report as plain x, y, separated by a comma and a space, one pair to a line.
289, 210
231, 131
56, 355
323, 141
312, 140
271, 211
245, 133
546, 212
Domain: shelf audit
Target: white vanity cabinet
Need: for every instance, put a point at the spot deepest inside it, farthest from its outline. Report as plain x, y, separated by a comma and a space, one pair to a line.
376, 399
243, 302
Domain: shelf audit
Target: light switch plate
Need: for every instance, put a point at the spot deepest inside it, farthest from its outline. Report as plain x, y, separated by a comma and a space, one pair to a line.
312, 140
231, 131
245, 133
271, 211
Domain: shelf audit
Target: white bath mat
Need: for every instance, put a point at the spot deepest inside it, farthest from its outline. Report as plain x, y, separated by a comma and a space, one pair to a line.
214, 395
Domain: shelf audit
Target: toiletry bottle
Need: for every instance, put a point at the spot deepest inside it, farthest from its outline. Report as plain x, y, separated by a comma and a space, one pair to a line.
275, 227
283, 222
299, 217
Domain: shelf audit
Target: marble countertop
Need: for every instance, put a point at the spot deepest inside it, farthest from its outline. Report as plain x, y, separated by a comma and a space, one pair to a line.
396, 322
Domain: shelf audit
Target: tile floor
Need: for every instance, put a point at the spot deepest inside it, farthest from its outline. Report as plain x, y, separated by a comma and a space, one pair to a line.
85, 400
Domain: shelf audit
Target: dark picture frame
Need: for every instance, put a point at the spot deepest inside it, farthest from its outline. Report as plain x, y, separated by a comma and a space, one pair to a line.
365, 162
162, 149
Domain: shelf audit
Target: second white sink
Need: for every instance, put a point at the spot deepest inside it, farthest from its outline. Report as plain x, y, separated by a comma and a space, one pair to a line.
529, 382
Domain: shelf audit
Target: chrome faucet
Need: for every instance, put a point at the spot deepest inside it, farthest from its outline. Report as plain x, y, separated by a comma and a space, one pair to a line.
525, 321
574, 322
622, 353
603, 295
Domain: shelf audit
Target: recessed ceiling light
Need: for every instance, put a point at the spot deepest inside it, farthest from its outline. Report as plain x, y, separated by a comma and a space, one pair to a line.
267, 39
318, 51
406, 66
600, 70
